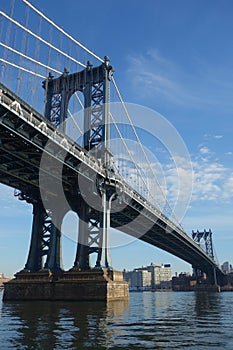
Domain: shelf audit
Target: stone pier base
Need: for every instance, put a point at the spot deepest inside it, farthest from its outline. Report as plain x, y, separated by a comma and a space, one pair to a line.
90, 285
207, 288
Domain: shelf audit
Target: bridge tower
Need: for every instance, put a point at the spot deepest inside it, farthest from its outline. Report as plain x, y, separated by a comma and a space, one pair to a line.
207, 237
44, 258
94, 84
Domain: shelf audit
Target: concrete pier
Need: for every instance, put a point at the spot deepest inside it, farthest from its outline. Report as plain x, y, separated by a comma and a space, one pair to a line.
102, 285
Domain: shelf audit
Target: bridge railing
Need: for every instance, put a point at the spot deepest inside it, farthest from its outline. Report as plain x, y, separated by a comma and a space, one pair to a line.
33, 118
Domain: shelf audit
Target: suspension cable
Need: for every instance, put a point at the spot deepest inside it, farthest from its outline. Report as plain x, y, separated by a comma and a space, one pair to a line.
130, 155
74, 121
62, 31
37, 62
30, 58
83, 65
41, 39
22, 68
142, 148
41, 76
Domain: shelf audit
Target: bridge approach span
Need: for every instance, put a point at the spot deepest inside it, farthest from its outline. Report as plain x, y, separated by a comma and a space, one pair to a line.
24, 134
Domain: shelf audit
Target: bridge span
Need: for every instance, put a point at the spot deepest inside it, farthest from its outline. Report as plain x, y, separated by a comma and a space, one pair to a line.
24, 134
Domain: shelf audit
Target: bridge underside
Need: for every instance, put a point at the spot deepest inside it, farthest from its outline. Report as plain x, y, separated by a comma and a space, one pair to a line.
22, 142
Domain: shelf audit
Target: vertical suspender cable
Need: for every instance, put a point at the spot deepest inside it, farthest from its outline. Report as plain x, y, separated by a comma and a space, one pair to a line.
63, 32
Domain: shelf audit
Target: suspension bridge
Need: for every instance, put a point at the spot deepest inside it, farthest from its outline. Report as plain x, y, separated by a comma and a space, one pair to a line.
58, 133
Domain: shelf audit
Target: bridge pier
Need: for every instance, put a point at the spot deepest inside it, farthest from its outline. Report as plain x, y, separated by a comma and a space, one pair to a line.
92, 285
206, 282
38, 281
45, 238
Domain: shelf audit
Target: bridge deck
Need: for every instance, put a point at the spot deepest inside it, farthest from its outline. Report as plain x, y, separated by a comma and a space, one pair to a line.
24, 134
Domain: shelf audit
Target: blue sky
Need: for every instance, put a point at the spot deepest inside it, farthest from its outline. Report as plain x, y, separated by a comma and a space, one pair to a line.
175, 57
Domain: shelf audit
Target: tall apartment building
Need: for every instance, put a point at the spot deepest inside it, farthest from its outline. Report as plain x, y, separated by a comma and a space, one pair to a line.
154, 276
139, 279
161, 275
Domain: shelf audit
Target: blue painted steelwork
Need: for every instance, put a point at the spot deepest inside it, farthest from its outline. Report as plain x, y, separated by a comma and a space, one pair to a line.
207, 237
23, 136
94, 83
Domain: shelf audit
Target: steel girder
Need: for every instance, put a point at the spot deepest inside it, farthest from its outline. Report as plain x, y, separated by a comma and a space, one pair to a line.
207, 237
45, 246
26, 137
94, 83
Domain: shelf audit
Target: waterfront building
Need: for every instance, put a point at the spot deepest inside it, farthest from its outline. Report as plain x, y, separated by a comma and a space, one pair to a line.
161, 276
154, 276
138, 279
183, 282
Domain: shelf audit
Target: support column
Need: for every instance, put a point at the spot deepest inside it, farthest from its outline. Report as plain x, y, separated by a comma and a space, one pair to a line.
54, 261
82, 260
34, 261
45, 240
215, 277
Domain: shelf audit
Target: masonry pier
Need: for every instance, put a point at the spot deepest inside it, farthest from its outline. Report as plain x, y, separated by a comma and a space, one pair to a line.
93, 285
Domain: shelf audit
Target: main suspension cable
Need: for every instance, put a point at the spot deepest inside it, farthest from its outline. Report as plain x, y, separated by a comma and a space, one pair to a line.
22, 68
62, 31
30, 58
142, 148
41, 39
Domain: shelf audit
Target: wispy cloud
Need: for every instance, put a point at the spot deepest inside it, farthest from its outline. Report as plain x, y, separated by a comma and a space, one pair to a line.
204, 150
8, 203
210, 137
154, 76
212, 181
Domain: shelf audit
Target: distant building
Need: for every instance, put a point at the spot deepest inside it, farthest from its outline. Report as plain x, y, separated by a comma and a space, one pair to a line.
139, 279
227, 267
183, 282
161, 276
154, 276
3, 279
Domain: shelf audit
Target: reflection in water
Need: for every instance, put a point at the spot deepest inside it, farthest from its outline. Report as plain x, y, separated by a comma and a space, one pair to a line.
149, 321
57, 325
207, 304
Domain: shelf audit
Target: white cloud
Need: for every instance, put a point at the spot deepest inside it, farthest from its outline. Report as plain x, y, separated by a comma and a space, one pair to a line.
207, 179
204, 150
210, 137
228, 188
212, 181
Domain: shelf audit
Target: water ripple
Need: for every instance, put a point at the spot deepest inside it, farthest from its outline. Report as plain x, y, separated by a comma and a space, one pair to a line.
149, 321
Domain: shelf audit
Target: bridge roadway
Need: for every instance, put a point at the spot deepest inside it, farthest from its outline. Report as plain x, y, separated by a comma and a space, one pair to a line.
24, 134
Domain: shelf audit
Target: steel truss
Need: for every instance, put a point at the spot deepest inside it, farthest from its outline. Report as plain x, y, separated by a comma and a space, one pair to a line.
45, 247
207, 236
94, 225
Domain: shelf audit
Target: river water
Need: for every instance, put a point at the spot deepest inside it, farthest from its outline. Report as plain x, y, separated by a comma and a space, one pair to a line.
165, 320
